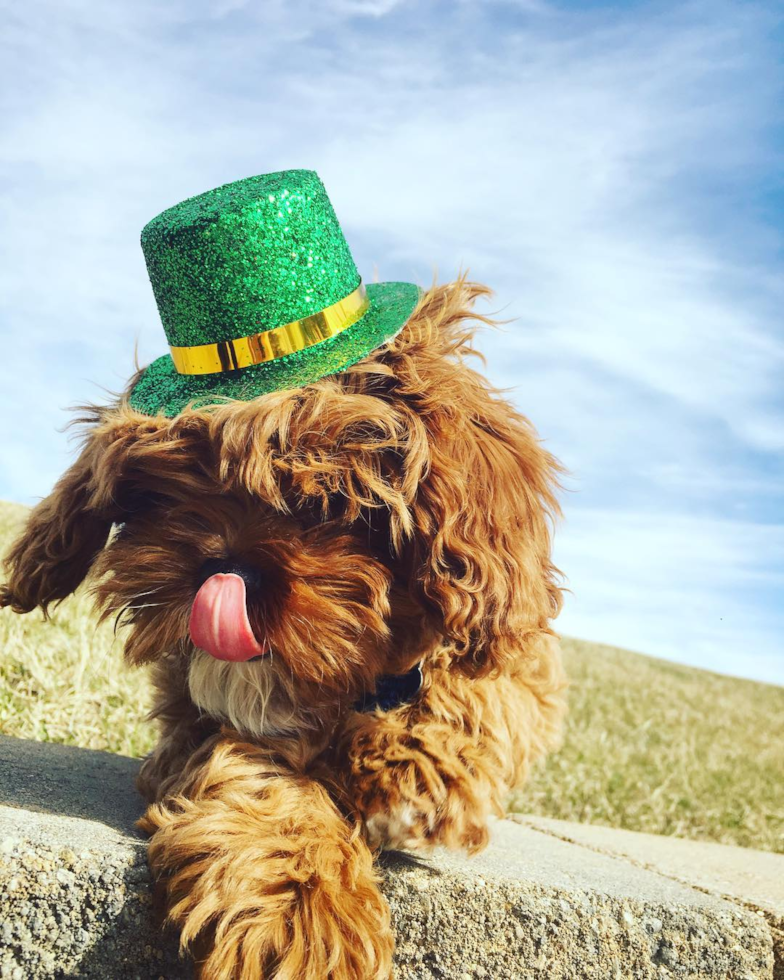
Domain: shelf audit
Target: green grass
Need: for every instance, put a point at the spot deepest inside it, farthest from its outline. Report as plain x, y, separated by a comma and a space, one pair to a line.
668, 749
650, 745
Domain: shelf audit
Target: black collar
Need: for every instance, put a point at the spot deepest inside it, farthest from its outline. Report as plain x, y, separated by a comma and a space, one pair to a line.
392, 690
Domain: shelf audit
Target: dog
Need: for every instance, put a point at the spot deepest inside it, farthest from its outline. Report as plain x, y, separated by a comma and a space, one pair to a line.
392, 521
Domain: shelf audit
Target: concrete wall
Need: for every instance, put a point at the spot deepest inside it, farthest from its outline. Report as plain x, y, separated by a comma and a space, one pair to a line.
546, 900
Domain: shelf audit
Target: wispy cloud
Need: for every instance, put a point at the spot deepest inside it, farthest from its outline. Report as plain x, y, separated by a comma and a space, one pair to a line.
611, 171
708, 590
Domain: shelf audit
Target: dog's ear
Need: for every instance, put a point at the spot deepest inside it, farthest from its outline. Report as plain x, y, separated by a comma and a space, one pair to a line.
480, 555
63, 533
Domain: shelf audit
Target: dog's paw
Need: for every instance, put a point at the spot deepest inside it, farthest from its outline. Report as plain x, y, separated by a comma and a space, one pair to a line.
271, 886
401, 827
420, 823
412, 799
313, 938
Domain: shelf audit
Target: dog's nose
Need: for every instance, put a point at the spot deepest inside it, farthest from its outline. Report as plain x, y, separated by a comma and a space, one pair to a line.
252, 576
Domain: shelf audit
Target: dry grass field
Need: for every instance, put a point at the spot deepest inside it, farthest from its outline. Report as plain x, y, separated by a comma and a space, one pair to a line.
659, 747
64, 680
650, 745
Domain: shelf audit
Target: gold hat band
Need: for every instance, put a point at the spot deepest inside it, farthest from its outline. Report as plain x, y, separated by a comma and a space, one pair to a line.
230, 355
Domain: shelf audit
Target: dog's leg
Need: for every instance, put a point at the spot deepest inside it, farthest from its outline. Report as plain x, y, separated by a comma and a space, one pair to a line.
262, 874
432, 772
181, 730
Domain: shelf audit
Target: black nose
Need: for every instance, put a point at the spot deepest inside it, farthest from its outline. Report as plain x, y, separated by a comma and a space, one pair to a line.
253, 577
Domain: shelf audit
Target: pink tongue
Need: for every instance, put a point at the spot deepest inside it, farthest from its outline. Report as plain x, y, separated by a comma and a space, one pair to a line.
219, 619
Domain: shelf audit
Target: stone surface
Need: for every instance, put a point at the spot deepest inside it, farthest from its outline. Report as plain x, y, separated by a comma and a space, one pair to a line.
76, 899
533, 906
754, 879
70, 782
751, 877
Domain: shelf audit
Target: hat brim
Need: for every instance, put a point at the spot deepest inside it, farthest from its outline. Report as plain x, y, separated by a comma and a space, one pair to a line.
161, 390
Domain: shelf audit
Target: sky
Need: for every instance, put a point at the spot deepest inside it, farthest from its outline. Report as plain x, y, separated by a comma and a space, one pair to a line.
612, 170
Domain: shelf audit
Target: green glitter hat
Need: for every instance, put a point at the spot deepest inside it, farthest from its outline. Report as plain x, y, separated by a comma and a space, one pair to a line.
257, 291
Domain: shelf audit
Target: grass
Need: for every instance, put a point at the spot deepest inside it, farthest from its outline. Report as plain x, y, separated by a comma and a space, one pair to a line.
64, 680
659, 747
650, 745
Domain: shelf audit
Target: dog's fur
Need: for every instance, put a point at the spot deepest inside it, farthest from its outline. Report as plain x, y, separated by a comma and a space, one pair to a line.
398, 512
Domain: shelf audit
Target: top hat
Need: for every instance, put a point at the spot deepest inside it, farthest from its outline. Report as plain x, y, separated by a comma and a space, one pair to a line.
257, 291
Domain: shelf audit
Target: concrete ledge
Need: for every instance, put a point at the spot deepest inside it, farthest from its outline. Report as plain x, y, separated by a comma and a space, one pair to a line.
75, 896
76, 901
533, 906
752, 879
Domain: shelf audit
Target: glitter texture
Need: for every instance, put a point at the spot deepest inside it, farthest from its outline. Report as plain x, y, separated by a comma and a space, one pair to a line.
162, 391
245, 258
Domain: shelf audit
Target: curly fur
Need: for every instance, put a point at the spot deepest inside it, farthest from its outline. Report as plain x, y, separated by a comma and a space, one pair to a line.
397, 512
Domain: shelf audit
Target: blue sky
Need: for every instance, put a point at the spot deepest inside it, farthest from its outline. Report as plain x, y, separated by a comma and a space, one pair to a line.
613, 171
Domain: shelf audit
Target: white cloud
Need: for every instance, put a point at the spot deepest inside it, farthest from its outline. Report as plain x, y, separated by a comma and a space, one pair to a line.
366, 8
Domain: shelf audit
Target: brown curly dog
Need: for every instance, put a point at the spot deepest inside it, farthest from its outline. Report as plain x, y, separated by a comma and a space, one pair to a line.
395, 514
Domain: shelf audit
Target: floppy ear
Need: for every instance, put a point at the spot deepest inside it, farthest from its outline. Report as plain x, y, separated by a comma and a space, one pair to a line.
481, 547
62, 536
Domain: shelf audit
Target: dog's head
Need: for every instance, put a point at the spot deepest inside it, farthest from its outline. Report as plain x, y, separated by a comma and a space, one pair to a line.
300, 545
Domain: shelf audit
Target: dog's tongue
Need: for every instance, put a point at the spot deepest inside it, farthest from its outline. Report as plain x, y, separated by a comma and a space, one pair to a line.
219, 619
